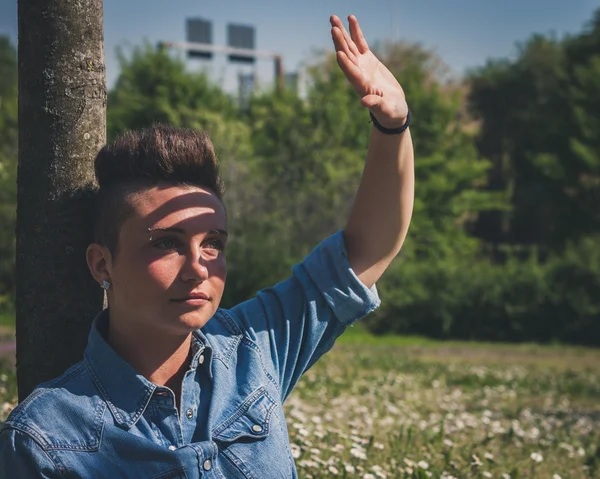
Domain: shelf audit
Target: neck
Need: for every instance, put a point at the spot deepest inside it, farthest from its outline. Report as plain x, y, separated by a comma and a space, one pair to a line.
160, 358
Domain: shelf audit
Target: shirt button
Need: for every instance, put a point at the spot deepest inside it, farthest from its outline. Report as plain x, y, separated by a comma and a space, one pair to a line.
207, 465
172, 448
257, 428
201, 359
189, 414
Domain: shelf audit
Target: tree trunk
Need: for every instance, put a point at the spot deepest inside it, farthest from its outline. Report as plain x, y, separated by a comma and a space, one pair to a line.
62, 125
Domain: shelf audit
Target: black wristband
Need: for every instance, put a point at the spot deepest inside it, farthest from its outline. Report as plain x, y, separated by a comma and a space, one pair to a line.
391, 131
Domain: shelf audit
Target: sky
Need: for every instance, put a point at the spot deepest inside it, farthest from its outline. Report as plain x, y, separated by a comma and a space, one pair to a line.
464, 33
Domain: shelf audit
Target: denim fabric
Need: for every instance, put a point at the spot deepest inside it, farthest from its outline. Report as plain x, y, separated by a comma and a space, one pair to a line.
101, 419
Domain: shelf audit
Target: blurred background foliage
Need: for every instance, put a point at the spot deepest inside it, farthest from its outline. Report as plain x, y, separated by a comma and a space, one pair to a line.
505, 239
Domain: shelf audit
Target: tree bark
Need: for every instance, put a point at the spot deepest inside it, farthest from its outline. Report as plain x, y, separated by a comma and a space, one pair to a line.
62, 125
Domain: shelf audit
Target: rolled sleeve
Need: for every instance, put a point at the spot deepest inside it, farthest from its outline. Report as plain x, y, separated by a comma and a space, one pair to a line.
328, 267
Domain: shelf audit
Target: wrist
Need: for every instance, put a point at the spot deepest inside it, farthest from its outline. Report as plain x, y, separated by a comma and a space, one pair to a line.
396, 129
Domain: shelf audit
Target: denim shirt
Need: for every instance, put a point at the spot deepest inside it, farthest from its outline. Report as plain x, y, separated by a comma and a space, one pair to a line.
101, 419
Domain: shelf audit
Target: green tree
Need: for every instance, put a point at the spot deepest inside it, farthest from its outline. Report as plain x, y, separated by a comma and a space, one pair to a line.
315, 149
8, 170
582, 185
539, 120
154, 87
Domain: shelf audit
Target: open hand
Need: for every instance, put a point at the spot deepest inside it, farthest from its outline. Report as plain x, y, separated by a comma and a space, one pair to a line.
379, 90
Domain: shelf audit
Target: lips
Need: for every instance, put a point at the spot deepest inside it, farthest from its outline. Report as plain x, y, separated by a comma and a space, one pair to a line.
193, 298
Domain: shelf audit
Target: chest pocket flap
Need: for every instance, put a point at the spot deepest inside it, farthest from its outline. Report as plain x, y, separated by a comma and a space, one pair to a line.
250, 421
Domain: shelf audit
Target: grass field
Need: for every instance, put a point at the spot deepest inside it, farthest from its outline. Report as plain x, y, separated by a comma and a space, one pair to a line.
397, 407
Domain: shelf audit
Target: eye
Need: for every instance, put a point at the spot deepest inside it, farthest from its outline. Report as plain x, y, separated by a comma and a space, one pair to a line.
167, 244
216, 245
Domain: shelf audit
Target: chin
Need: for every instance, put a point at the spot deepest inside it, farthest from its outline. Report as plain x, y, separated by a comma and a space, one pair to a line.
194, 320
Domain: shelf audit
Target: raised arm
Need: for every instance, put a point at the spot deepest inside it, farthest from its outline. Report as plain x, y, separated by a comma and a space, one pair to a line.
380, 217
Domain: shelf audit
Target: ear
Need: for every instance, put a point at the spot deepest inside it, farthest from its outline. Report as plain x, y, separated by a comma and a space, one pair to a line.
99, 261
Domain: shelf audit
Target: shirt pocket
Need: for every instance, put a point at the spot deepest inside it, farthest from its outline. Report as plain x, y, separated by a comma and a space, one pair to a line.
250, 420
251, 441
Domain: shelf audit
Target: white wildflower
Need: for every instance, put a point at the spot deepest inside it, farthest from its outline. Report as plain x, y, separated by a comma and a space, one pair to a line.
537, 457
296, 451
358, 452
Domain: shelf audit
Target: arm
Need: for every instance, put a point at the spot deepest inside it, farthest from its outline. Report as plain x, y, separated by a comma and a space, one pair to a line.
379, 220
298, 320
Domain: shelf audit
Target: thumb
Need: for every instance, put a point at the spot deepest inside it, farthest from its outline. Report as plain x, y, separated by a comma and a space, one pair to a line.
372, 102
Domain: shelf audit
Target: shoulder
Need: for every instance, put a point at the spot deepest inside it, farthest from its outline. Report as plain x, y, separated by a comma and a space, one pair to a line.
224, 321
230, 327
224, 332
64, 412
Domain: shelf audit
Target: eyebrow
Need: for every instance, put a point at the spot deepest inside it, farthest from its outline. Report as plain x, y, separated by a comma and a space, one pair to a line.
175, 229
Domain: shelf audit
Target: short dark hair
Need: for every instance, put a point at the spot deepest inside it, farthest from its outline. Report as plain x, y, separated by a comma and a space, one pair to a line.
139, 160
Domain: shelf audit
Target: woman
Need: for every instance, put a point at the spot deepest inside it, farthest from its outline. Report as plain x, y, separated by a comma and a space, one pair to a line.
171, 386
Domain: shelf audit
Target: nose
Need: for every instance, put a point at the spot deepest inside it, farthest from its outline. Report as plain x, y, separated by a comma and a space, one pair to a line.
194, 270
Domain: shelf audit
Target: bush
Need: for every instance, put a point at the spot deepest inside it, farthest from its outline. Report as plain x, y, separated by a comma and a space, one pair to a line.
519, 300
574, 303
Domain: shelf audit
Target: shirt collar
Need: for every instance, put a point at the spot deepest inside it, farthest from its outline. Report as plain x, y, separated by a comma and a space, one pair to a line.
126, 392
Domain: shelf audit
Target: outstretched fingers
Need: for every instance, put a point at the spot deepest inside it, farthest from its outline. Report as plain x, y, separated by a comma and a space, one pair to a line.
340, 43
357, 35
344, 40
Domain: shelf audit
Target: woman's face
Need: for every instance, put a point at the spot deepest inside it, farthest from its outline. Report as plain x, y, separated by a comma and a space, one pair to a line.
169, 273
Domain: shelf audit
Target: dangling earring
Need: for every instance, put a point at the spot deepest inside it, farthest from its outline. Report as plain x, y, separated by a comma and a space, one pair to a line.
105, 285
